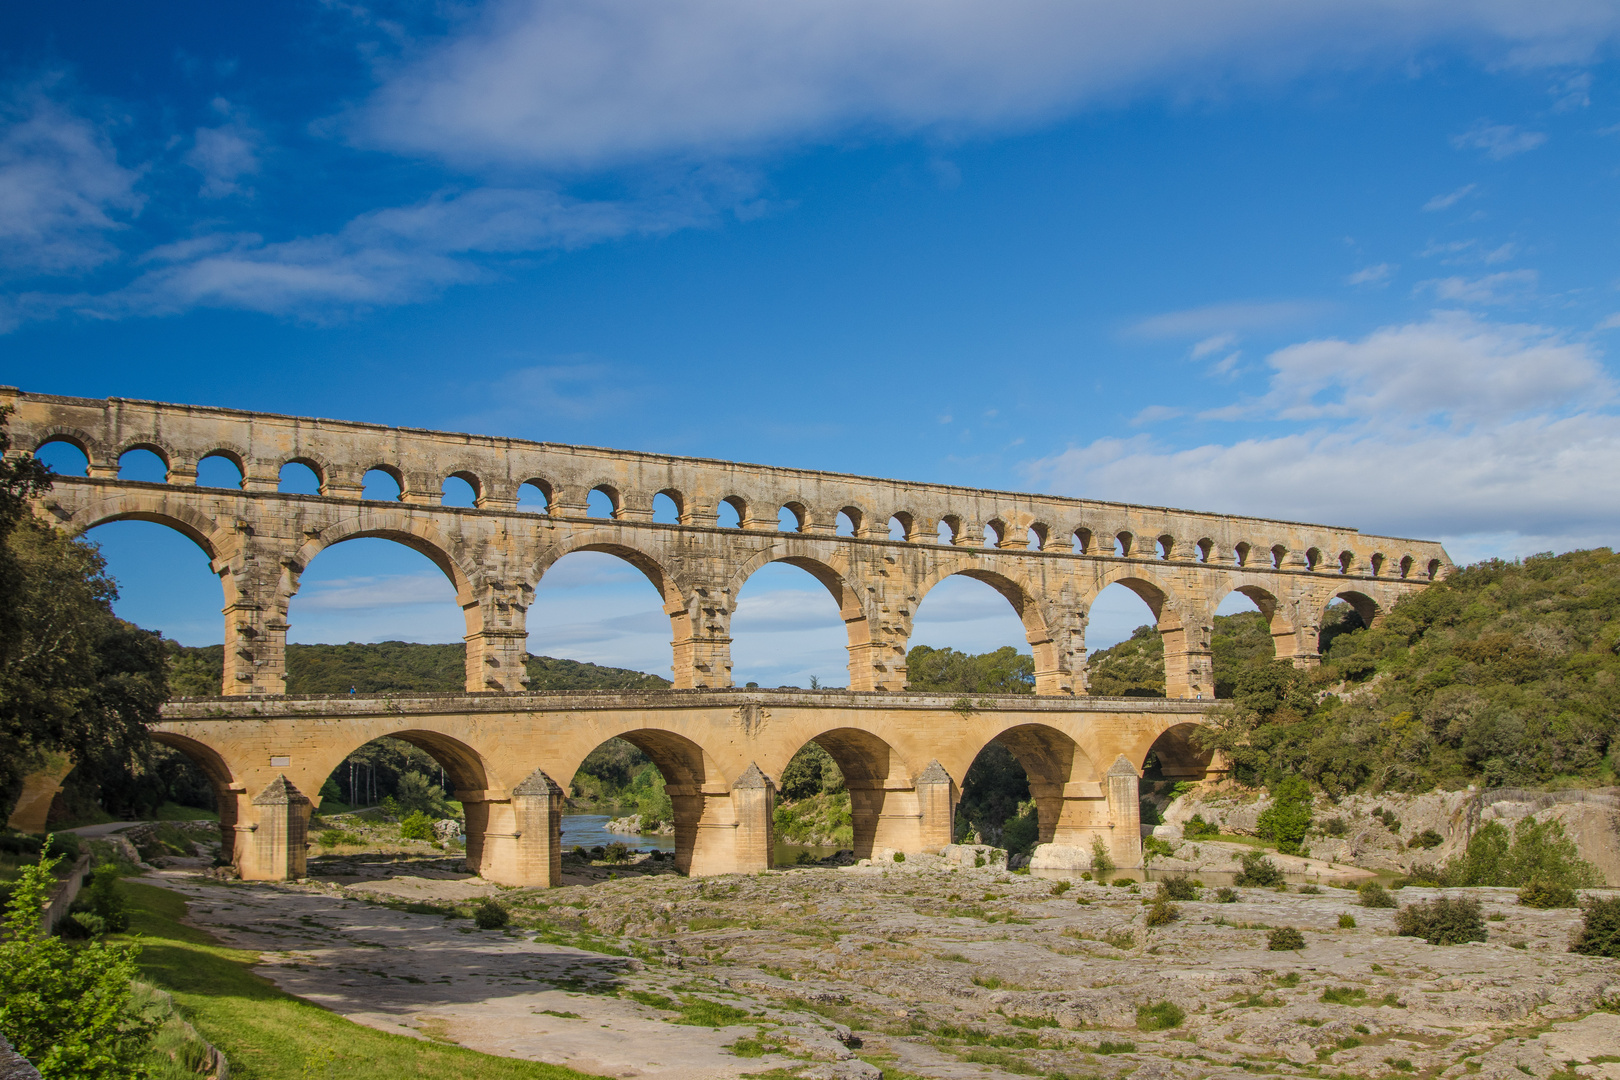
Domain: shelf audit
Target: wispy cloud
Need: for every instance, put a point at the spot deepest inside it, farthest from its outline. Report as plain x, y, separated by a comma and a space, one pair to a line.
1498, 140
1222, 320
224, 154
63, 193
1506, 287
1371, 275
1449, 199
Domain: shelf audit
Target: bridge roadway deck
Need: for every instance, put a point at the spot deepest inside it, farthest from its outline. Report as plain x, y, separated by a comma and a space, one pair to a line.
509, 756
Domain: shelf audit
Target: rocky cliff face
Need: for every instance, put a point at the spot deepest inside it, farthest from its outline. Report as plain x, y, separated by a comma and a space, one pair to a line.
1387, 832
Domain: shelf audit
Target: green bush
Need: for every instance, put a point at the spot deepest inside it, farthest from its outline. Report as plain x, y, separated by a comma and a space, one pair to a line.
1162, 912
1285, 939
616, 852
1371, 894
1259, 872
1442, 921
1020, 834
100, 906
334, 837
1426, 839
416, 826
1225, 895
1547, 894
1100, 861
1387, 816
1600, 930
1288, 817
1153, 846
1179, 887
67, 1009
1347, 921
491, 914
1535, 849
1159, 1016
1197, 828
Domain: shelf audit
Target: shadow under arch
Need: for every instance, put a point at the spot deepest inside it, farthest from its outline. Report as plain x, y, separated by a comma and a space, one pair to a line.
1062, 777
698, 793
1363, 605
1174, 755
1050, 675
883, 802
227, 790
857, 627
683, 619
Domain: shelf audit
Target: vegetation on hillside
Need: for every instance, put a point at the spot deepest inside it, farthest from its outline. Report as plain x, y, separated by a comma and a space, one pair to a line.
1504, 674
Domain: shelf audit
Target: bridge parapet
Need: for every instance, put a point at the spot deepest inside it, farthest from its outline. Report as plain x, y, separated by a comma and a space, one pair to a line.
1049, 556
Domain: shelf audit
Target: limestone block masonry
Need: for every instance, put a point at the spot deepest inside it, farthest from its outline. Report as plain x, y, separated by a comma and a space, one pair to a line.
878, 546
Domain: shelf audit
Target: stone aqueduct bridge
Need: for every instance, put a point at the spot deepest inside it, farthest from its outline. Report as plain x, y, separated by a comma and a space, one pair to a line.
720, 749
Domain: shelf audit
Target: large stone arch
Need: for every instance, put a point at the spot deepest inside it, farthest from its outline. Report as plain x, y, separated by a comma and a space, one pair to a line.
1177, 754
883, 797
857, 619
229, 792
698, 790
155, 507
1056, 766
1052, 674
385, 523
699, 621
1279, 616
1183, 627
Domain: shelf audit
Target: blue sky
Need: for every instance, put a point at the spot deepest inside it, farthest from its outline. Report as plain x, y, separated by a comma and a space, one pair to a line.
1344, 262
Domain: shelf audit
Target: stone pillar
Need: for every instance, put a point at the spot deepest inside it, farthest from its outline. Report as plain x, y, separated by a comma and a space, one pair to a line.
1189, 663
537, 805
702, 638
753, 803
1126, 813
255, 631
281, 837
936, 805
497, 636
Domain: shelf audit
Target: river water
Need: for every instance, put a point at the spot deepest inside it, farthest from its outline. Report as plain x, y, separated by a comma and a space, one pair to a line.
589, 830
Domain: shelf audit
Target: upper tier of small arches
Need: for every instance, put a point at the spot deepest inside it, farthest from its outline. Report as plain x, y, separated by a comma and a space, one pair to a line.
747, 507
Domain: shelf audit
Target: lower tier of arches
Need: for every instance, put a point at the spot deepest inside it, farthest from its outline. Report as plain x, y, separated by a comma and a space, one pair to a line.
721, 755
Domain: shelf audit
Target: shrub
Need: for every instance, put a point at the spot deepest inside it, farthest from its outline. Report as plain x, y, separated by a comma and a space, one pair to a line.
1152, 845
1259, 872
1334, 826
1162, 912
1100, 862
1344, 995
1347, 921
1442, 921
416, 826
1535, 849
1547, 894
1197, 827
102, 903
1285, 939
1426, 839
1372, 894
616, 852
1600, 930
1021, 833
67, 1009
1060, 888
899, 856
1159, 1016
1387, 816
1108, 1046
491, 914
1310, 890
1288, 817
1120, 939
1179, 887
1224, 895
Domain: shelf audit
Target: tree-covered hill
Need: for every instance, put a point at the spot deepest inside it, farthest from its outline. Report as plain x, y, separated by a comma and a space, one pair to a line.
392, 666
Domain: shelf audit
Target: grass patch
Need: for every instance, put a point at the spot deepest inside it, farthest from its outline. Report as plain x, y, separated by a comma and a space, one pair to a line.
700, 1012
270, 1035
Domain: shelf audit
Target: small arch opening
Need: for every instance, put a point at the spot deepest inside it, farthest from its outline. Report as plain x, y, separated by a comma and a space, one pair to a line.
667, 508
1406, 566
1377, 563
1082, 542
382, 485
143, 465
1313, 558
1206, 550
1278, 554
994, 530
1433, 569
1166, 546
950, 528
1036, 537
1346, 560
64, 458
792, 518
1240, 553
900, 526
534, 497
219, 471
456, 491
731, 512
1122, 544
849, 522
297, 478
602, 502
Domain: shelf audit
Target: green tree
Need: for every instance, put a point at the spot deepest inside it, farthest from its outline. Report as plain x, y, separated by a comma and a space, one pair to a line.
946, 671
68, 1009
1288, 817
811, 772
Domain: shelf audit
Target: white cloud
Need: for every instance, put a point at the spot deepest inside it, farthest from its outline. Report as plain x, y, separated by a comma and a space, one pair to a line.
1501, 288
1220, 320
1498, 140
62, 190
224, 154
543, 82
1213, 344
1371, 275
1450, 199
1154, 414
1455, 428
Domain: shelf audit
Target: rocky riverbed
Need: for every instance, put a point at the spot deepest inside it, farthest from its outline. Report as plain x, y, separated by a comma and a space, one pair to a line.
924, 968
